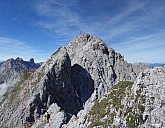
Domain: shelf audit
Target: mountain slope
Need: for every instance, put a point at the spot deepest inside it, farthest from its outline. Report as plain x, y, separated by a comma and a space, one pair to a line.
10, 72
67, 85
141, 104
11, 100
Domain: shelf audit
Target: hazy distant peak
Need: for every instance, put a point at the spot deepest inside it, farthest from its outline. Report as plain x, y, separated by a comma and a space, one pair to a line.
32, 60
18, 59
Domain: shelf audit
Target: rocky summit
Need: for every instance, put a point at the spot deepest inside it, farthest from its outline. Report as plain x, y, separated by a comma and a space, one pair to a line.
85, 84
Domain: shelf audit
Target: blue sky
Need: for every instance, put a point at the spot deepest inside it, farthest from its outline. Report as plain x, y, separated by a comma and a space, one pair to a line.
36, 28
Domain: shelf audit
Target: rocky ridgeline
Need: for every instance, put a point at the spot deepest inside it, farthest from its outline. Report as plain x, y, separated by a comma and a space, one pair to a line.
141, 104
139, 67
10, 72
67, 85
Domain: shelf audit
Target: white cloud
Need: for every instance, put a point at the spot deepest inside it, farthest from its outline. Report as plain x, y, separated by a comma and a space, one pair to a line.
5, 86
58, 16
135, 19
3, 89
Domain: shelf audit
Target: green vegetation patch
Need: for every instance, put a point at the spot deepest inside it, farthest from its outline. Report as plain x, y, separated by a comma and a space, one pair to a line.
131, 120
118, 93
26, 74
102, 108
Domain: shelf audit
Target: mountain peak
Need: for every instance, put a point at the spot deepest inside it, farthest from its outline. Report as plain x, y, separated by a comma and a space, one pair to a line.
32, 60
18, 59
72, 79
84, 40
84, 44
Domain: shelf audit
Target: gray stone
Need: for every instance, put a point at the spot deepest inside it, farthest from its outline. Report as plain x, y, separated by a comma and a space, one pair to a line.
67, 85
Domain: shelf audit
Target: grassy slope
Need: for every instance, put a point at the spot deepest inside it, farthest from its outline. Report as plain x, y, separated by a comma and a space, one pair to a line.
105, 107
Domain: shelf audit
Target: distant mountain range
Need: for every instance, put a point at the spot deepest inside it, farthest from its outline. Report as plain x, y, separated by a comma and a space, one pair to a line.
151, 65
156, 64
10, 72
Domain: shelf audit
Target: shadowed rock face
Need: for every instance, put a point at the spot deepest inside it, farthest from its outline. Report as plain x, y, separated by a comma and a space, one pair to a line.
70, 80
82, 82
105, 66
67, 86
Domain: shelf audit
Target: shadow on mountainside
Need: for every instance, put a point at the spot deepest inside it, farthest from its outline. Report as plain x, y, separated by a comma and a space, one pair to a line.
82, 82
70, 89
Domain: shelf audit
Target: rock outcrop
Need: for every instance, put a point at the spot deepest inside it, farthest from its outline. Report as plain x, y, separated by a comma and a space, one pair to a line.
139, 67
149, 90
67, 85
141, 104
53, 82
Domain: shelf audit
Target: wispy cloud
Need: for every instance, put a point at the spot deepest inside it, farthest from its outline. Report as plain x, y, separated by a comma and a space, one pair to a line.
143, 48
134, 19
132, 23
59, 16
62, 18
11, 48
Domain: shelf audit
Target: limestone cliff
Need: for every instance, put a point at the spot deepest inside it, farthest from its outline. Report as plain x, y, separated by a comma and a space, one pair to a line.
67, 85
104, 65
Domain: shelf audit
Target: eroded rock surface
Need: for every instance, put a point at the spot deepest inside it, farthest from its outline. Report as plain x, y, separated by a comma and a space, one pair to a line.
66, 85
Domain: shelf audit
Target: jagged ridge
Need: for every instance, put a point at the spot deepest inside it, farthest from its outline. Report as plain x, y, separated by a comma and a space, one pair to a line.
68, 82
138, 105
10, 72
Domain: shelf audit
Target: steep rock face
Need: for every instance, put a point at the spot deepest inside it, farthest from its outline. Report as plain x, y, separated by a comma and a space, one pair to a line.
67, 85
56, 87
53, 82
82, 82
104, 64
149, 90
